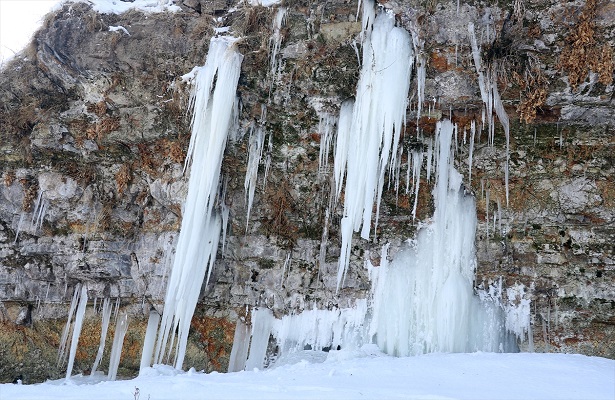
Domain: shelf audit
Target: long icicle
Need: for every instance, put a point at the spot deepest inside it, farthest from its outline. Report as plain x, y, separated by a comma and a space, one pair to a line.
212, 102
377, 122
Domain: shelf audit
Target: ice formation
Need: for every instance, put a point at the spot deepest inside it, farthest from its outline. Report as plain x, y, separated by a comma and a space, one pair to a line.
212, 102
262, 322
318, 330
255, 153
423, 300
79, 314
106, 318
326, 128
121, 327
368, 138
417, 162
490, 95
241, 343
276, 40
149, 340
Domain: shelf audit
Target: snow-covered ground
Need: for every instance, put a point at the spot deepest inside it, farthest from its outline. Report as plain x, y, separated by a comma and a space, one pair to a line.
366, 374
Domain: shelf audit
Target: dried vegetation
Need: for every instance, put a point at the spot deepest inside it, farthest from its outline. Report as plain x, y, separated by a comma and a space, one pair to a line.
583, 53
513, 64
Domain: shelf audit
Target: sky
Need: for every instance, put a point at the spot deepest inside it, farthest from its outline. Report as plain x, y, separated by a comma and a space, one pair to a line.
19, 19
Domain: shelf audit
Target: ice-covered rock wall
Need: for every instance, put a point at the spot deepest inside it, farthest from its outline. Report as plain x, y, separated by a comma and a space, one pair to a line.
94, 135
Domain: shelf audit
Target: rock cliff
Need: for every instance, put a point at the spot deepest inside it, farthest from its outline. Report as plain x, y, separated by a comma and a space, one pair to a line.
94, 131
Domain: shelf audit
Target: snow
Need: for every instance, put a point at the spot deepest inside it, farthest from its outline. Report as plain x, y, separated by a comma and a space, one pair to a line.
118, 6
19, 19
118, 28
360, 374
265, 3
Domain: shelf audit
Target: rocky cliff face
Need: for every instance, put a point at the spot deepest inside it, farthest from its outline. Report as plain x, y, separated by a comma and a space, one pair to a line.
94, 132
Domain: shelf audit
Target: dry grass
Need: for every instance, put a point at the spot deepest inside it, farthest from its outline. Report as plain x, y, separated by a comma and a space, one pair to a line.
281, 204
534, 92
9, 178
30, 194
123, 178
582, 53
99, 108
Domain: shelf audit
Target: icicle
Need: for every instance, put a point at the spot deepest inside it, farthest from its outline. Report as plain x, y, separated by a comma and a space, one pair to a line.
417, 161
149, 340
67, 328
117, 307
499, 217
491, 98
262, 321
503, 117
377, 118
344, 137
471, 151
83, 300
429, 157
487, 214
255, 153
285, 267
276, 39
106, 318
118, 342
224, 212
421, 74
239, 351
268, 157
18, 230
212, 102
38, 214
325, 129
324, 241
408, 171
47, 292
396, 173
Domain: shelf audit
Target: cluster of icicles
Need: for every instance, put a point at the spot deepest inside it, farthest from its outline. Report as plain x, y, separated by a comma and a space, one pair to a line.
72, 330
422, 301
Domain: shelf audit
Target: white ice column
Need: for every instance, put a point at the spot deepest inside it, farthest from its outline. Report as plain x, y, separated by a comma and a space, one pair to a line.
212, 102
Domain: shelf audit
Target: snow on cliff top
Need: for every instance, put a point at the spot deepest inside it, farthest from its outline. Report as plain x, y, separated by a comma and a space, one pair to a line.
19, 19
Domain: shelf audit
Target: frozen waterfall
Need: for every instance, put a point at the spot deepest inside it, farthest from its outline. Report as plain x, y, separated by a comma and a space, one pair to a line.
423, 301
